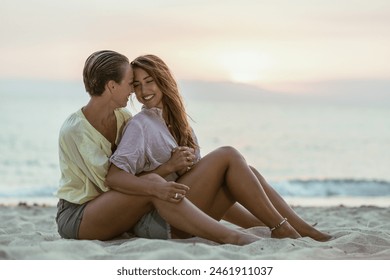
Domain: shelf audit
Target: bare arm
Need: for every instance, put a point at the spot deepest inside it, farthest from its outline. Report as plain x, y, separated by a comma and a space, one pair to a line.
181, 159
124, 182
163, 170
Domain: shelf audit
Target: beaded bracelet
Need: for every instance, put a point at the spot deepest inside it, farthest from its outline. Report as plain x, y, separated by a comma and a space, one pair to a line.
279, 225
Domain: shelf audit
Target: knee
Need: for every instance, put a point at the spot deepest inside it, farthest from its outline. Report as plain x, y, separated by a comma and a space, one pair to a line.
230, 152
153, 177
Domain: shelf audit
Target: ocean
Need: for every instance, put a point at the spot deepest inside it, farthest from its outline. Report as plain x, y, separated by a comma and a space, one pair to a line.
313, 151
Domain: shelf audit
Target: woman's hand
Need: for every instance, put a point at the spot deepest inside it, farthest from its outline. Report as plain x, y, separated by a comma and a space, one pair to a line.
171, 191
182, 159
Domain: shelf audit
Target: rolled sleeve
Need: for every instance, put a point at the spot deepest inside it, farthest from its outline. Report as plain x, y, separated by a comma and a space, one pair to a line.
130, 155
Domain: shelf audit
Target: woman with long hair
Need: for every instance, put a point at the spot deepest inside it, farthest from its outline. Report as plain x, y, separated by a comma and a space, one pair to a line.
87, 207
160, 140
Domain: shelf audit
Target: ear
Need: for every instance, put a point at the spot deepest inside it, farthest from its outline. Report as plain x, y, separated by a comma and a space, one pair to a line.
111, 85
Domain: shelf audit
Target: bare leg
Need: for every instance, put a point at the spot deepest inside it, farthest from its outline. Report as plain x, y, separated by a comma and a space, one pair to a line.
113, 213
238, 215
226, 167
217, 209
280, 204
188, 218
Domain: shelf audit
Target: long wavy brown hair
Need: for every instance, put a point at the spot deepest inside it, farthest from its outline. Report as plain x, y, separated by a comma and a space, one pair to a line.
173, 106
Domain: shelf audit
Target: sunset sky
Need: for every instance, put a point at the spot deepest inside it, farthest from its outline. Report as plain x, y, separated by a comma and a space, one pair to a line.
265, 43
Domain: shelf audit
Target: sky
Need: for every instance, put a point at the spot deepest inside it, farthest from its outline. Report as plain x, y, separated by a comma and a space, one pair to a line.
269, 44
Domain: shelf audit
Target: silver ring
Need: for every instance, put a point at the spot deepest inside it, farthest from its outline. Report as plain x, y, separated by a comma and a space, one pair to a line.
176, 196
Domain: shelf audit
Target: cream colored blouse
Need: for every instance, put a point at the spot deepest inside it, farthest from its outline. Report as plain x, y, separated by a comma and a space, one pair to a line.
84, 157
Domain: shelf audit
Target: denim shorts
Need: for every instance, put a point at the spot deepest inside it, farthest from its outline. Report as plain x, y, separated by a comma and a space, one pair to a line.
152, 226
69, 216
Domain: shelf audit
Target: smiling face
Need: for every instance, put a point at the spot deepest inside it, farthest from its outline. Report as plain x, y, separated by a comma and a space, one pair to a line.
146, 89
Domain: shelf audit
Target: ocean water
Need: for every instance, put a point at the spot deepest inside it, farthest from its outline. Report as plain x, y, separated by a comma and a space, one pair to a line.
312, 152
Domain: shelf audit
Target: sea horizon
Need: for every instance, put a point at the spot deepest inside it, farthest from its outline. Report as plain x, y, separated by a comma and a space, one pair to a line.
312, 149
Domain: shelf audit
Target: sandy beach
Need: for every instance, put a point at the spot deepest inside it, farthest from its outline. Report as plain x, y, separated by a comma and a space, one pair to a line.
360, 233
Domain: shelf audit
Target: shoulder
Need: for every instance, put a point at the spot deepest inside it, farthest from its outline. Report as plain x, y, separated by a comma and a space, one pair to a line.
141, 118
148, 116
73, 123
139, 123
123, 114
76, 128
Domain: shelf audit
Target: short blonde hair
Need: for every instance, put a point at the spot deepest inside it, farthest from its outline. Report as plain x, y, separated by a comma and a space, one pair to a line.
101, 67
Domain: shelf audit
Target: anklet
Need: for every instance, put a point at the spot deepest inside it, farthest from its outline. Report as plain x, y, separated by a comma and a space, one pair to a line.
279, 225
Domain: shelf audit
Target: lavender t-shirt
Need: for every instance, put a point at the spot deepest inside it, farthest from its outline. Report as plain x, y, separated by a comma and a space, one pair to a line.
146, 144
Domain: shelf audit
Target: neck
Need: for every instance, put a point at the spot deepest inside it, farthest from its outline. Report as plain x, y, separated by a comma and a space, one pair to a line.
101, 116
98, 108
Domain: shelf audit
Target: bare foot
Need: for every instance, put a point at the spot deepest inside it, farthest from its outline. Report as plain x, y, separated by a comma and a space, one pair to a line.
321, 236
241, 238
247, 239
285, 231
315, 234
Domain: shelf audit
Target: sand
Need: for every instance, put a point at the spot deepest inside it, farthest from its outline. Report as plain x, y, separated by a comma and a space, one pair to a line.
360, 233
